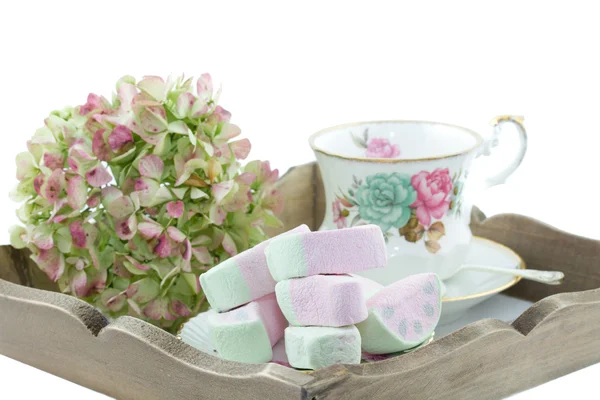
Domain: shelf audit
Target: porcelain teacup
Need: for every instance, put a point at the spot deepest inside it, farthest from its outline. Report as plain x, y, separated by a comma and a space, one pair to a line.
409, 178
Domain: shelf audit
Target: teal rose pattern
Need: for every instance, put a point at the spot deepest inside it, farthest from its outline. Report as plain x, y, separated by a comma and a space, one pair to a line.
385, 200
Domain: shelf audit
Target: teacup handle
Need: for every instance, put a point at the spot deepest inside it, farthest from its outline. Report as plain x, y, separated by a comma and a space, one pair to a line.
497, 124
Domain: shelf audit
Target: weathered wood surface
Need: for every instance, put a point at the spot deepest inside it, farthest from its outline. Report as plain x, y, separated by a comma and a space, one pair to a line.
546, 248
19, 268
130, 359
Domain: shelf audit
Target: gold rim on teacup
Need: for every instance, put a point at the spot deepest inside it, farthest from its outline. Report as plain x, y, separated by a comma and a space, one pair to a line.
311, 141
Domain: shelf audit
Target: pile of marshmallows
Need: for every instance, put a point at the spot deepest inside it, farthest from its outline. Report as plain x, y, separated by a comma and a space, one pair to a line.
298, 283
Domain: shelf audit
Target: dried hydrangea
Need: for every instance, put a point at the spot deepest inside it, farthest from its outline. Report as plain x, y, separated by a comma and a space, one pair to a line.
127, 202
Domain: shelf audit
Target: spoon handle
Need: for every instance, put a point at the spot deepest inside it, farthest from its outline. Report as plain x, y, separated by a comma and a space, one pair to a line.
547, 277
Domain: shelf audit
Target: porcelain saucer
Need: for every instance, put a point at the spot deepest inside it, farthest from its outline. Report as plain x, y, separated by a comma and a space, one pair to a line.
469, 288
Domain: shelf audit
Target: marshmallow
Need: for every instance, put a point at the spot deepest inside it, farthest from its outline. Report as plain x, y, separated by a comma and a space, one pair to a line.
324, 300
241, 279
326, 252
369, 287
314, 347
402, 315
247, 334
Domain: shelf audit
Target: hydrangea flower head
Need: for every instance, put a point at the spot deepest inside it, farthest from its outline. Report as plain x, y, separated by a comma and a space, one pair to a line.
126, 202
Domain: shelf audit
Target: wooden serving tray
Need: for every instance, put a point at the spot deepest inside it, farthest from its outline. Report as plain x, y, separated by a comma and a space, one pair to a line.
130, 359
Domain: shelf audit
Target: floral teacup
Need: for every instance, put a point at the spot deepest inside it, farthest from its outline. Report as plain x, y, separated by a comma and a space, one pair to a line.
407, 177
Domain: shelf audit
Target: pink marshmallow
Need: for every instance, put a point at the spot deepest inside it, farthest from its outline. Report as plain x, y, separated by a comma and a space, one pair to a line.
248, 333
241, 279
322, 300
339, 251
402, 315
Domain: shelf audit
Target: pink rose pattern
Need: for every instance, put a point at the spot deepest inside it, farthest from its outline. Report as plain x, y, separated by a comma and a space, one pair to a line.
338, 214
375, 147
433, 194
436, 194
382, 148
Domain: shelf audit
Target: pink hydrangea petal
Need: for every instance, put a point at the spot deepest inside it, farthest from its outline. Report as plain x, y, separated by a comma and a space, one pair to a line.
153, 119
119, 269
223, 152
163, 247
98, 281
81, 149
188, 168
119, 137
156, 309
79, 284
99, 147
73, 164
38, 182
54, 186
78, 234
185, 103
116, 303
150, 229
25, 165
93, 103
154, 86
94, 200
143, 291
58, 206
187, 253
274, 201
52, 262
121, 207
221, 114
220, 190
263, 172
229, 131
98, 176
176, 234
151, 166
126, 228
247, 178
80, 265
229, 245
180, 308
217, 215
199, 108
110, 194
43, 240
241, 148
204, 86
146, 189
126, 92
54, 160
76, 192
175, 208
202, 255
169, 316
136, 264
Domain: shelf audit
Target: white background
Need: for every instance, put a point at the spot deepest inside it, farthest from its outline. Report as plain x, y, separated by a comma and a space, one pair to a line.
291, 69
